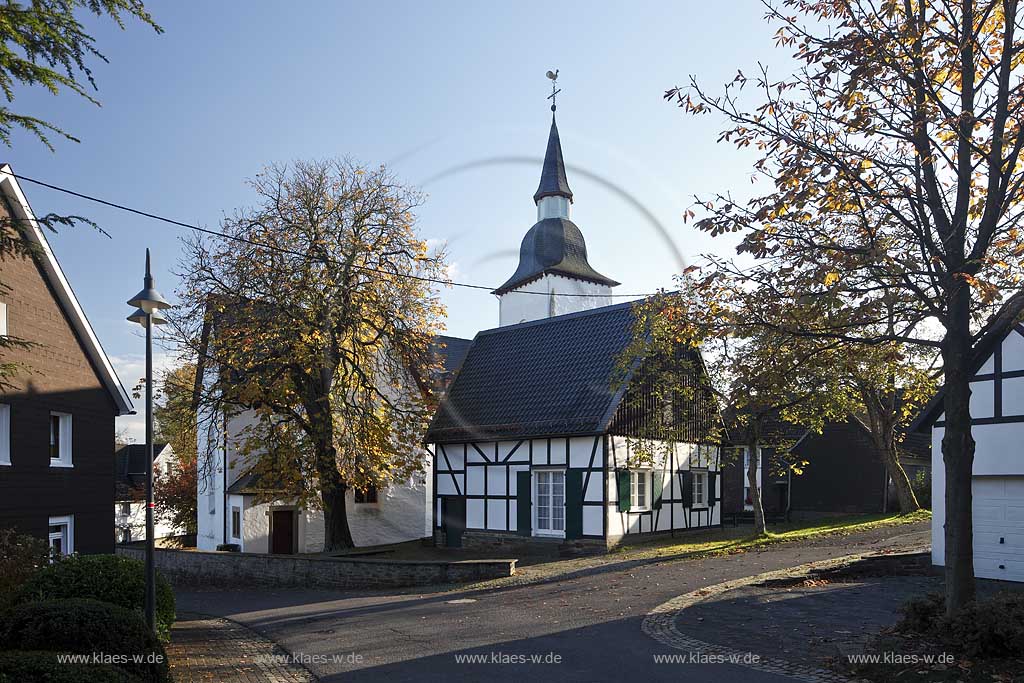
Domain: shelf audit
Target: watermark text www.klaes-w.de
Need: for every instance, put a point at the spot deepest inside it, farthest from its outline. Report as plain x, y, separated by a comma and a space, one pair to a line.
707, 658
501, 658
111, 658
305, 659
900, 658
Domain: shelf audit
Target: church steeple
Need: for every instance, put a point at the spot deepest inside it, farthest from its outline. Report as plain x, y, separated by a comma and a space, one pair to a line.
553, 254
553, 182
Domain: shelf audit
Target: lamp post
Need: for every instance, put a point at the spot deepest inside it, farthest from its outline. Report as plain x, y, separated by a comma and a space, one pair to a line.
148, 304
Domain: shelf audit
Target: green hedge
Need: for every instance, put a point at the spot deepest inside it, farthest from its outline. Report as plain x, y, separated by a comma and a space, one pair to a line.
117, 636
44, 667
111, 578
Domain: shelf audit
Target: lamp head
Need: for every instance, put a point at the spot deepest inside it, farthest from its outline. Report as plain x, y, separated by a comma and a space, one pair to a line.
148, 299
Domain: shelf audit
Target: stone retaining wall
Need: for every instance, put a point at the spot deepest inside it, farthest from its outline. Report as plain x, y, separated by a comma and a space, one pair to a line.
210, 568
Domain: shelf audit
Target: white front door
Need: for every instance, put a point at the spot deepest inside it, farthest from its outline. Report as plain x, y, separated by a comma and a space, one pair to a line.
549, 502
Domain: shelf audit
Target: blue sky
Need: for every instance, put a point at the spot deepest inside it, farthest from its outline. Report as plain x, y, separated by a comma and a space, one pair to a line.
427, 88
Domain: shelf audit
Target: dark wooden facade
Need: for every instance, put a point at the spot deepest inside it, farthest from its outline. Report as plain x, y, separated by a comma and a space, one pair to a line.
62, 377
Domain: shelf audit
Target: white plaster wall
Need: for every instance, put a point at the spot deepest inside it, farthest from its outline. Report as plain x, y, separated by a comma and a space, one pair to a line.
400, 514
210, 484
517, 306
135, 521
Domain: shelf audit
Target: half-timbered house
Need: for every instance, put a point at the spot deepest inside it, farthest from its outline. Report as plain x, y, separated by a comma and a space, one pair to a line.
537, 437
997, 482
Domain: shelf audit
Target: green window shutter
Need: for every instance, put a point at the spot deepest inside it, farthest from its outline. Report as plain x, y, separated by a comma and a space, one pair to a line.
573, 503
657, 481
524, 515
622, 477
712, 499
687, 483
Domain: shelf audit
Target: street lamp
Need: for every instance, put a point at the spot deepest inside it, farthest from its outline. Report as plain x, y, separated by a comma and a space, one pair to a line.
148, 304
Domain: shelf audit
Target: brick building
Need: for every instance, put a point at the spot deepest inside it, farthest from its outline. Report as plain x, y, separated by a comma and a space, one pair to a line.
57, 417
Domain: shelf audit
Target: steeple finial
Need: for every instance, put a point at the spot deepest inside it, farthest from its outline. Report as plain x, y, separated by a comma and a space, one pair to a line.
553, 182
553, 75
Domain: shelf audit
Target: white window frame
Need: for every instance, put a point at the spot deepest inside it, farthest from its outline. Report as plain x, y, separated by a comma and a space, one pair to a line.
236, 533
3, 319
5, 434
537, 531
700, 477
64, 446
67, 537
635, 478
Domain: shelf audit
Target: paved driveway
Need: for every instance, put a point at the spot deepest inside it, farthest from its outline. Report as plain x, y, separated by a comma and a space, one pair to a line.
578, 629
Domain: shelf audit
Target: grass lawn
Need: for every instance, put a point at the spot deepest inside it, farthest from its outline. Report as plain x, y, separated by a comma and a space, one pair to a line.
543, 560
740, 539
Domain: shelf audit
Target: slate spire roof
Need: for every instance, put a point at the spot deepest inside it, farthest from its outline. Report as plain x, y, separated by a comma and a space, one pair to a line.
553, 245
553, 182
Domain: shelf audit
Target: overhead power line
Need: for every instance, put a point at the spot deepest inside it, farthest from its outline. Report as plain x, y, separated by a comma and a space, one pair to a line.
283, 250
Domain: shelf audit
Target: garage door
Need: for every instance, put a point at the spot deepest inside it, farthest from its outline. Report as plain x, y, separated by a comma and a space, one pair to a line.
999, 528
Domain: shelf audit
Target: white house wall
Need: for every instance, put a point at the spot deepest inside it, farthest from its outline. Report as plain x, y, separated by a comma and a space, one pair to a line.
209, 482
529, 302
997, 426
668, 463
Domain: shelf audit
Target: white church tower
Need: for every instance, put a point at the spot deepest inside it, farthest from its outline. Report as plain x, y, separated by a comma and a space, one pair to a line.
553, 256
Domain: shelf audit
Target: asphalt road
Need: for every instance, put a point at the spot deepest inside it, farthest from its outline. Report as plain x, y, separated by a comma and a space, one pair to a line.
579, 629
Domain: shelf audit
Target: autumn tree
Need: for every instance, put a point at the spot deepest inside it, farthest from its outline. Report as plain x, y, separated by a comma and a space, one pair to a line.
894, 188
175, 424
758, 376
44, 43
314, 317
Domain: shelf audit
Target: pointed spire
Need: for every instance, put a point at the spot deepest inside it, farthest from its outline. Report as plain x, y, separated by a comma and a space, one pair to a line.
553, 182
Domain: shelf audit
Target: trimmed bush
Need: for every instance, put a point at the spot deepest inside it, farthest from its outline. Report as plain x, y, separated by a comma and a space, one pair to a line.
20, 557
118, 580
44, 667
118, 636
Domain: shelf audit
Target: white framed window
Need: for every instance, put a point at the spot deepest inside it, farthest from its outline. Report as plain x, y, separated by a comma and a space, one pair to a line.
236, 522
549, 502
5, 434
700, 488
3, 319
62, 534
60, 440
639, 490
167, 467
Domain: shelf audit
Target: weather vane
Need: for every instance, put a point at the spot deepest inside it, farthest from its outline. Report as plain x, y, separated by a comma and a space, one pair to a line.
553, 75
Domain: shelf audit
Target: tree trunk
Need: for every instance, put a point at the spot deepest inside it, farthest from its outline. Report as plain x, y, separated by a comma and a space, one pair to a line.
753, 463
958, 454
337, 535
904, 491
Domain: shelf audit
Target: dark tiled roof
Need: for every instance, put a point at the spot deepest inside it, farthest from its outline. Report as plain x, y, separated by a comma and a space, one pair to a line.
552, 175
542, 378
452, 351
130, 470
553, 245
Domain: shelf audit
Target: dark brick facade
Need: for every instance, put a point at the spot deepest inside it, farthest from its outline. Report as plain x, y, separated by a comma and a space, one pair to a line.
61, 378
